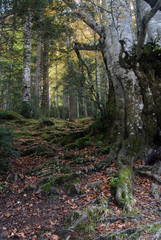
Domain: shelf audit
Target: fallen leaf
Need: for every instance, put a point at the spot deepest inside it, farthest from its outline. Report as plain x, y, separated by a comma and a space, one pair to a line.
54, 237
74, 206
8, 215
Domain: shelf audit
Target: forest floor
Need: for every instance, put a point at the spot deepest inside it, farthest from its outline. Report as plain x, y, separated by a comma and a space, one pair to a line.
54, 192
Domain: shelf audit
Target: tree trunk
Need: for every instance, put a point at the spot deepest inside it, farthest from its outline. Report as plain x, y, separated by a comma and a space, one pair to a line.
117, 40
71, 87
27, 61
72, 103
65, 103
57, 91
128, 95
2, 92
26, 80
98, 79
153, 33
45, 93
38, 72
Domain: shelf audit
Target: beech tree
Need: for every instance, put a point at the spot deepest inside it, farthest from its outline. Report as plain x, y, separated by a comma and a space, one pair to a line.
133, 116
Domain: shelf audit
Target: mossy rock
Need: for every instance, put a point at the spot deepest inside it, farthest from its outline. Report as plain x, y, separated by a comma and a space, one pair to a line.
71, 137
39, 150
53, 136
79, 143
11, 115
46, 122
67, 182
66, 178
86, 120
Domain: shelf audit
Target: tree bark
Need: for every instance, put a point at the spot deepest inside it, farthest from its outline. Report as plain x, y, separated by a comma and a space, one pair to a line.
45, 94
57, 90
148, 24
127, 94
2, 92
26, 81
98, 80
38, 72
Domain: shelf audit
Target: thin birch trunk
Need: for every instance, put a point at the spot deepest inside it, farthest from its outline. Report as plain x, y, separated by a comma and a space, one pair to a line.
26, 81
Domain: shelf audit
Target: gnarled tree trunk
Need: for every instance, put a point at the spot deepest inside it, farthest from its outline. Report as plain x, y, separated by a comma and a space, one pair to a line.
128, 94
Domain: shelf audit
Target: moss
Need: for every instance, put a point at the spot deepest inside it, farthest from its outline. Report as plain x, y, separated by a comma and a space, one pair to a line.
39, 150
45, 136
80, 143
24, 133
66, 179
11, 115
86, 120
71, 146
71, 137
73, 217
46, 122
121, 186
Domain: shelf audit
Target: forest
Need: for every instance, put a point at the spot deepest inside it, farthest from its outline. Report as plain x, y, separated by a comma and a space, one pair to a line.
80, 119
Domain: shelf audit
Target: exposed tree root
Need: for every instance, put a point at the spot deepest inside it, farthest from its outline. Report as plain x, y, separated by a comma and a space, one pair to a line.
121, 187
150, 175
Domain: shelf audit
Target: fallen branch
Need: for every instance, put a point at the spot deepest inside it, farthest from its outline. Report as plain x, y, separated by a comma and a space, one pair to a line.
142, 167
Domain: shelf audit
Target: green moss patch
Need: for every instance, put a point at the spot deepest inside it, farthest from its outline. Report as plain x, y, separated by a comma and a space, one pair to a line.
79, 143
11, 115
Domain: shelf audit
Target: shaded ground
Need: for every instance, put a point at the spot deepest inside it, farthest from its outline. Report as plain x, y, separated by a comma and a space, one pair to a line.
53, 192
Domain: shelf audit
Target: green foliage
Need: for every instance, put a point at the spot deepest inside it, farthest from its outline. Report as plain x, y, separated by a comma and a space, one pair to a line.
151, 47
113, 180
28, 110
6, 148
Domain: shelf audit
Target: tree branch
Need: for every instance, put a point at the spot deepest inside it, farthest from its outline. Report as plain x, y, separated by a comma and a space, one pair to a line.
144, 24
80, 12
101, 8
86, 46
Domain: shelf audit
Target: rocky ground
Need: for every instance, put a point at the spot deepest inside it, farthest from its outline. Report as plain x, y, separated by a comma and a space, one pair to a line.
59, 187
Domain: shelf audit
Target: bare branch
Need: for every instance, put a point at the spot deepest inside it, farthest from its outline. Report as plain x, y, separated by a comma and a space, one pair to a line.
144, 25
100, 7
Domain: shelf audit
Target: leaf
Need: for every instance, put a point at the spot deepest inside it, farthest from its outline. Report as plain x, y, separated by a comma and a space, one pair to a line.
8, 215
54, 237
74, 206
